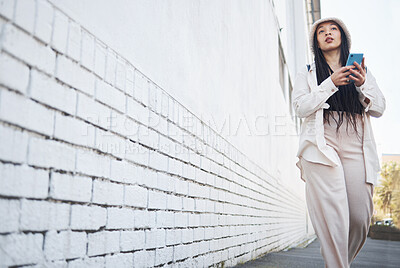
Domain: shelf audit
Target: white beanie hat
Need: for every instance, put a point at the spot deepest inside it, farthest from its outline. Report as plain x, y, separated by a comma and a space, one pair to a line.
338, 21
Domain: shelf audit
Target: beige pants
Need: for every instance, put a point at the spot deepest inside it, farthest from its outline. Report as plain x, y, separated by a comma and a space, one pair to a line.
338, 198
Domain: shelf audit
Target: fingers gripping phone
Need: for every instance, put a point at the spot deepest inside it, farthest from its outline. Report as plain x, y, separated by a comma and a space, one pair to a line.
354, 57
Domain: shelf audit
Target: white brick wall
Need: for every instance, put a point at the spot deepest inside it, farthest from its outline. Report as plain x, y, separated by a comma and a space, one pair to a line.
101, 167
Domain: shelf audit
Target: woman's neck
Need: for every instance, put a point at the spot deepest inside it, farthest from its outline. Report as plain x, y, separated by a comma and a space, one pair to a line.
333, 58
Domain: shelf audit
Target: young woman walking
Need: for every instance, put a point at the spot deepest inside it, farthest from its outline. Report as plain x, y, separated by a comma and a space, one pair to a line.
337, 151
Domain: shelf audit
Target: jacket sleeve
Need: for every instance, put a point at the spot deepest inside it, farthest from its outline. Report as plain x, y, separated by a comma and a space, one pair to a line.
306, 101
371, 96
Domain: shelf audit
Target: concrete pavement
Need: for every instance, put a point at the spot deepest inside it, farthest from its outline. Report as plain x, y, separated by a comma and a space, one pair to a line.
374, 254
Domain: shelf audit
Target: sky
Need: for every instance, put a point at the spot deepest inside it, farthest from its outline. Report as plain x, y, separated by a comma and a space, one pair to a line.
374, 27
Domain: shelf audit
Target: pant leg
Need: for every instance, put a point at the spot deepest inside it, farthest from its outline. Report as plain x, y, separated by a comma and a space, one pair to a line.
329, 210
359, 192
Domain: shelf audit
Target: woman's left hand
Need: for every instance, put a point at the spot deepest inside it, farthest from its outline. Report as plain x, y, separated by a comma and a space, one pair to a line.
358, 75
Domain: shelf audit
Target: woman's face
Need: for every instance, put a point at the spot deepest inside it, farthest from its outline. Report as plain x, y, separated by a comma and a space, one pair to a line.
328, 36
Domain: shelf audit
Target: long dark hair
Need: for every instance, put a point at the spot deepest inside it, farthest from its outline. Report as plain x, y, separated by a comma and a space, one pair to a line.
346, 98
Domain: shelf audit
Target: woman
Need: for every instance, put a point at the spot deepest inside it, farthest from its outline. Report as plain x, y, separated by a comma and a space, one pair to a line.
337, 152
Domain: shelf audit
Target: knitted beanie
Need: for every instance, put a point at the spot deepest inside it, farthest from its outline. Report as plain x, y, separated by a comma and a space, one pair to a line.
338, 21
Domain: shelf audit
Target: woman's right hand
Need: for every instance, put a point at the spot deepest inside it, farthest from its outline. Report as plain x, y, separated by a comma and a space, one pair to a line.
339, 76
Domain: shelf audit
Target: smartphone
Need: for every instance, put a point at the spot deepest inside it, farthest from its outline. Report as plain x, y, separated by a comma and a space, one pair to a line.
354, 57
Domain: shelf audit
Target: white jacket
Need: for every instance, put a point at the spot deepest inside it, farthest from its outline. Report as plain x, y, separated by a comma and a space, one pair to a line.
309, 100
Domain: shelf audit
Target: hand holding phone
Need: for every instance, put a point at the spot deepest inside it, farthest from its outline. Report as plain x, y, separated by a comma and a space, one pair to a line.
354, 57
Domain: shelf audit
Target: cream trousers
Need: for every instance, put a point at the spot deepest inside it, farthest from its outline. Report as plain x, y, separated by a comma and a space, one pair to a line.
338, 199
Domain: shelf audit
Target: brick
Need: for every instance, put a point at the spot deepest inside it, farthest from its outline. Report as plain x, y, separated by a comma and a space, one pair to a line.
149, 178
137, 153
145, 219
109, 95
141, 91
107, 193
130, 79
165, 182
13, 74
60, 32
74, 75
157, 200
181, 187
198, 234
26, 113
64, 245
25, 14
136, 196
75, 131
47, 90
19, 249
165, 219
194, 220
7, 8
158, 161
164, 255
182, 252
139, 176
166, 146
91, 163
111, 66
14, 144
164, 104
204, 247
74, 41
154, 98
175, 133
26, 48
188, 170
100, 59
120, 218
206, 220
87, 54
175, 167
124, 126
92, 111
110, 143
158, 123
174, 202
88, 217
132, 240
187, 235
173, 236
119, 260
144, 258
51, 153
103, 242
71, 188
181, 219
120, 78
188, 203
92, 262
155, 238
9, 209
44, 21
23, 181
123, 171
43, 215
209, 233
171, 109
137, 111
148, 137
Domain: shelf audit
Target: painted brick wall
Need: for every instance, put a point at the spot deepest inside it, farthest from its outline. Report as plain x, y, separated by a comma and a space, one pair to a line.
100, 167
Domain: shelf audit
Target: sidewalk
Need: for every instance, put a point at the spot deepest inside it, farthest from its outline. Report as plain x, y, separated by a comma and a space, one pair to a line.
374, 254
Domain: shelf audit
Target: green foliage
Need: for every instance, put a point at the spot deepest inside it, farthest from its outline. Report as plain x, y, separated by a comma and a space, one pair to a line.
388, 192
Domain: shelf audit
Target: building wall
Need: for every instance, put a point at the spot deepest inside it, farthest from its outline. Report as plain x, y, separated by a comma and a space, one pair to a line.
114, 146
